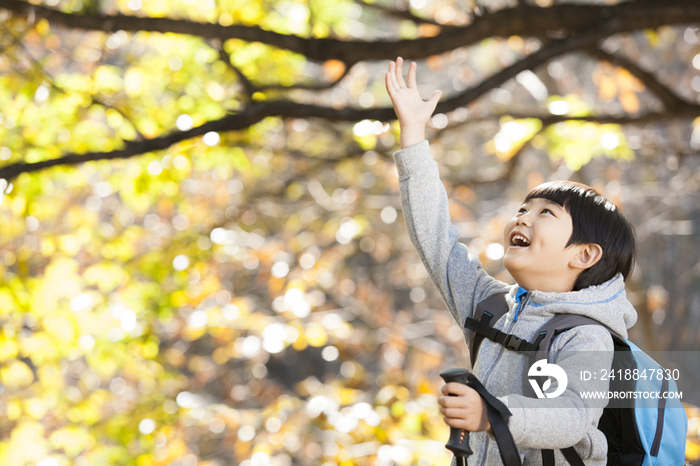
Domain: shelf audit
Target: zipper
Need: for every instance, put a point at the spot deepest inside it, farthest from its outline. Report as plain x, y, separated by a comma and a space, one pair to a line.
525, 297
521, 305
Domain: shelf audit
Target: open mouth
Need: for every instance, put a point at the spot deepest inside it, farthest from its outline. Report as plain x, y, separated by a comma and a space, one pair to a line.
517, 240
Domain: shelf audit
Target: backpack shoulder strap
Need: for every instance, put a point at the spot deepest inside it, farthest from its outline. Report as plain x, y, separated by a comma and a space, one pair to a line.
543, 341
487, 313
558, 324
490, 310
545, 336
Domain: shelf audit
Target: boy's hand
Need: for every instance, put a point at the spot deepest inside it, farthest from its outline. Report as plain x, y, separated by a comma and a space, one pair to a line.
413, 113
465, 411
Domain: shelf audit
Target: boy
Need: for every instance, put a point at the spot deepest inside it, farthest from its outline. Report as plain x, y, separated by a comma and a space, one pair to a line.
568, 249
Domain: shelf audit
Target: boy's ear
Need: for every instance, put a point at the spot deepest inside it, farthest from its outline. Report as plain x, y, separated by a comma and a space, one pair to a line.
587, 256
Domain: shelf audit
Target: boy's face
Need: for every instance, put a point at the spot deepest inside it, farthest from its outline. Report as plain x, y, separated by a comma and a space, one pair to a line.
535, 241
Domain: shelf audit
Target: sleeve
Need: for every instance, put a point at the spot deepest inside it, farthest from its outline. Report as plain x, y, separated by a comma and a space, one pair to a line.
460, 278
556, 423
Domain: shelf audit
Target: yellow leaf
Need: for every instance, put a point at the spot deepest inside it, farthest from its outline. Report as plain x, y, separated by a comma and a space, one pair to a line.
333, 69
16, 374
300, 344
72, 439
607, 89
42, 27
8, 348
629, 102
425, 387
428, 30
36, 408
27, 445
14, 410
435, 62
215, 90
8, 304
133, 82
146, 460
107, 276
40, 348
397, 409
628, 81
51, 377
652, 36
692, 450
178, 298
69, 244
60, 327
315, 334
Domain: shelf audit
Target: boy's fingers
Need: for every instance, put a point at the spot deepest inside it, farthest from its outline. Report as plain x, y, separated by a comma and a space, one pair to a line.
453, 413
392, 77
412, 75
399, 72
447, 402
454, 401
434, 99
455, 389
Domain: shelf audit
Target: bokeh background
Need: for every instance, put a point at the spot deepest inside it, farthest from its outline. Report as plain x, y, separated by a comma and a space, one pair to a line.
203, 258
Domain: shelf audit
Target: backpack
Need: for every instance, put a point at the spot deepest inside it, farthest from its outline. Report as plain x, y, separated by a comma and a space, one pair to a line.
658, 436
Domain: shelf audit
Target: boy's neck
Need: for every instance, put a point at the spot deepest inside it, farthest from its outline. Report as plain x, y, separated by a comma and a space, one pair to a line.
547, 284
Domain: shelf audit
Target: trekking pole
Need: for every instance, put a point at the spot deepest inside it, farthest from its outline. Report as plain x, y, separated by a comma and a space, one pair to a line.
458, 443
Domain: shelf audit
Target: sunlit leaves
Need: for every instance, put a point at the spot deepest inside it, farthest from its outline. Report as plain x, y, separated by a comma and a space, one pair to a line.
72, 440
16, 374
576, 143
692, 451
333, 69
39, 347
265, 65
512, 136
27, 444
241, 297
618, 82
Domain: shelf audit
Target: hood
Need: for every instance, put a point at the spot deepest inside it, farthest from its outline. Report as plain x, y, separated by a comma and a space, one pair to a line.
607, 303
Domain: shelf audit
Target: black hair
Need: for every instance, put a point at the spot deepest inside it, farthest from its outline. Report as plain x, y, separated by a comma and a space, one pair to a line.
595, 220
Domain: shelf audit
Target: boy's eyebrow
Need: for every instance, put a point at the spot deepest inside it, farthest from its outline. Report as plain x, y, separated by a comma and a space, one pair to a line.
547, 201
551, 203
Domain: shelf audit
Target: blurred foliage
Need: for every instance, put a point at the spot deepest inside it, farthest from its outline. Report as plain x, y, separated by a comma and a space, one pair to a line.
251, 297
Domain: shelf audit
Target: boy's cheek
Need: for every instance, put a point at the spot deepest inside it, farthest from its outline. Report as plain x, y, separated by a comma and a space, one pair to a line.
506, 231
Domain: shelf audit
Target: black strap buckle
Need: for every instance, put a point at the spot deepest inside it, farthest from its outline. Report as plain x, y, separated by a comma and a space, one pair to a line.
513, 343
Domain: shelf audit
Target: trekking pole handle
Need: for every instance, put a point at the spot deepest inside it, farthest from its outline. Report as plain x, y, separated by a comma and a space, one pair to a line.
458, 443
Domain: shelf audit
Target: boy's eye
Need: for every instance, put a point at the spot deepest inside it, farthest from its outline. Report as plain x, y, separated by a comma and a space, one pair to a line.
547, 211
522, 210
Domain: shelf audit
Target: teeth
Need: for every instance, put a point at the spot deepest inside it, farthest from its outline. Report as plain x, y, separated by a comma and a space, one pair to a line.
520, 240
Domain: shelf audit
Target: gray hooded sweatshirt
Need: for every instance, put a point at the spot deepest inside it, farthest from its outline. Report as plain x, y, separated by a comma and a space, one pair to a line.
535, 424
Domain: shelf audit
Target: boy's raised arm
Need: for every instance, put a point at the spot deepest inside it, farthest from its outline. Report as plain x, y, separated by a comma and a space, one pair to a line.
413, 113
460, 278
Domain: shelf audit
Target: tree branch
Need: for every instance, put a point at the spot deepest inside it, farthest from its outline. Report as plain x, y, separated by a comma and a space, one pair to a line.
306, 87
251, 88
248, 87
242, 121
95, 100
669, 98
689, 111
403, 15
523, 21
258, 110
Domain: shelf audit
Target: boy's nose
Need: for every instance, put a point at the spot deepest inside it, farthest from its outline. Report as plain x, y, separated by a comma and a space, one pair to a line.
523, 220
